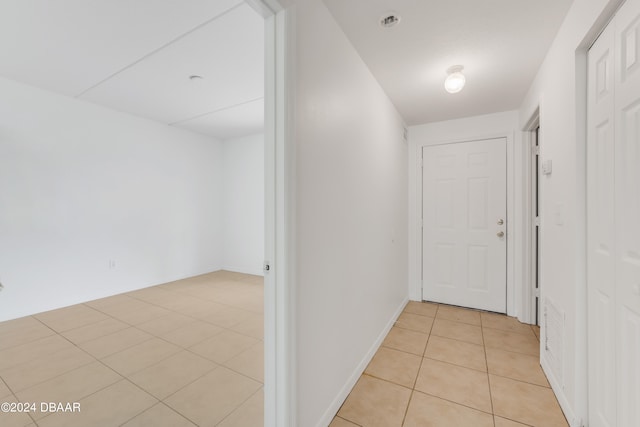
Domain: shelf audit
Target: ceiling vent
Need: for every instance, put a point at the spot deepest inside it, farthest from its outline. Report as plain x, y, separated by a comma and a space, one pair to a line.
389, 20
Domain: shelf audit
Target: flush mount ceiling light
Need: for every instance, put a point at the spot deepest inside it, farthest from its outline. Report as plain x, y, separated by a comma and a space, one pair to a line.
455, 79
195, 77
389, 20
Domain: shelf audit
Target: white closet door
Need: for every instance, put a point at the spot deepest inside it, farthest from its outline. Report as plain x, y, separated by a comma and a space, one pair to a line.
627, 187
601, 233
613, 222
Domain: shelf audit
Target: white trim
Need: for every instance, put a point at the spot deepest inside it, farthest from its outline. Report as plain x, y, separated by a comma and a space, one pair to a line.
415, 215
335, 405
528, 302
279, 355
562, 397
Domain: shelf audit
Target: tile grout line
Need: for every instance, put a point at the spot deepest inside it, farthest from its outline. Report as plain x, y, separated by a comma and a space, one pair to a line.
413, 389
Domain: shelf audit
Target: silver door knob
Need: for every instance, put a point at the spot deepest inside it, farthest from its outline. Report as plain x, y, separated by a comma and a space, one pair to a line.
500, 234
500, 222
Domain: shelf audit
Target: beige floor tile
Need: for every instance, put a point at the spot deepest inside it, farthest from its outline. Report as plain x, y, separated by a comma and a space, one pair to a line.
113, 343
536, 331
223, 346
517, 366
14, 419
140, 314
376, 403
249, 414
341, 422
199, 309
414, 322
210, 399
457, 331
457, 314
525, 403
94, 330
71, 317
26, 352
141, 356
503, 422
44, 368
111, 406
159, 415
421, 308
249, 362
191, 334
505, 323
153, 295
21, 331
455, 383
511, 341
171, 374
71, 386
456, 352
229, 317
395, 366
4, 390
406, 340
253, 327
165, 324
429, 411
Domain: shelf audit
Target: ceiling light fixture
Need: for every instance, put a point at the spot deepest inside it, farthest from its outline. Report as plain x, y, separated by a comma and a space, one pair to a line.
455, 80
195, 77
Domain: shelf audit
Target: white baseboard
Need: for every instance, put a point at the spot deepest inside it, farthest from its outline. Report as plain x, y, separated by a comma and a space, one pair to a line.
559, 392
253, 271
332, 410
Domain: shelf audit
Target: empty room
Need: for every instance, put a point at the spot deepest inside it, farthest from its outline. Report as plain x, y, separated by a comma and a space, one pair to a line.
320, 213
132, 225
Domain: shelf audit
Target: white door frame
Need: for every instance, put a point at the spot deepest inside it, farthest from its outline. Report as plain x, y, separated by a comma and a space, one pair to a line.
279, 300
415, 226
529, 262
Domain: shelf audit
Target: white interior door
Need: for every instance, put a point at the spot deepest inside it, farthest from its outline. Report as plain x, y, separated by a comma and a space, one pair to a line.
464, 207
613, 222
601, 233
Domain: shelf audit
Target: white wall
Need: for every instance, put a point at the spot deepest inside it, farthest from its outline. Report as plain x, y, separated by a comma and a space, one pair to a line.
243, 204
81, 185
351, 214
503, 124
560, 91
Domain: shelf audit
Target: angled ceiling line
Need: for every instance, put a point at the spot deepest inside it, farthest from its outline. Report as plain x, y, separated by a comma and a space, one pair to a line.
216, 111
153, 52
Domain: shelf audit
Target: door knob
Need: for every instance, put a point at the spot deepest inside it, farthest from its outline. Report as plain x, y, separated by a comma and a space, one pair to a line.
500, 221
500, 234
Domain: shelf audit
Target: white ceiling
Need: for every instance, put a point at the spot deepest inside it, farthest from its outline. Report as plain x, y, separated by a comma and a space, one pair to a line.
501, 44
136, 56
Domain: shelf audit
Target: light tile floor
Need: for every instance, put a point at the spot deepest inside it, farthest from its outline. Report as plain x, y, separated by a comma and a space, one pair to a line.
444, 366
184, 353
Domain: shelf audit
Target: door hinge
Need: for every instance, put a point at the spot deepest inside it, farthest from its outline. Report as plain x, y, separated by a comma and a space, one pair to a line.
536, 221
536, 292
536, 150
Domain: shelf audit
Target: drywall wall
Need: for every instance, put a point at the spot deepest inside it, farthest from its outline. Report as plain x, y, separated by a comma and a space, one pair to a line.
351, 214
96, 202
243, 204
559, 90
503, 124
